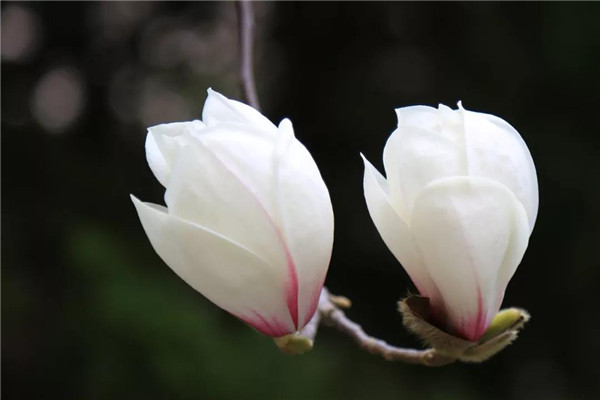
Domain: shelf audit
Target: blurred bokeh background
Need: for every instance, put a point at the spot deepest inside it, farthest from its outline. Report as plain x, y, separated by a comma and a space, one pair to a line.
89, 311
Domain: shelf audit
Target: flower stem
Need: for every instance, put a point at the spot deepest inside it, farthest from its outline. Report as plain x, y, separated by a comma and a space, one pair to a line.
245, 15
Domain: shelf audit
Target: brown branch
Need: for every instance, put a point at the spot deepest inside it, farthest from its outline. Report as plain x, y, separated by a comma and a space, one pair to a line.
332, 316
246, 38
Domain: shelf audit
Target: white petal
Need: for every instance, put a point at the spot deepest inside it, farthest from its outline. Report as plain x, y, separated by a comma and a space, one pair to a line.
448, 117
219, 109
423, 117
472, 233
497, 151
394, 231
162, 143
227, 274
249, 154
306, 217
211, 192
519, 240
414, 156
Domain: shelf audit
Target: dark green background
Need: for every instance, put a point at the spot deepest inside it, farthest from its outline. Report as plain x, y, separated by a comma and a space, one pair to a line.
89, 311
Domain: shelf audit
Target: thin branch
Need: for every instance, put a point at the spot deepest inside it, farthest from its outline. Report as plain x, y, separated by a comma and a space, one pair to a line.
334, 317
246, 39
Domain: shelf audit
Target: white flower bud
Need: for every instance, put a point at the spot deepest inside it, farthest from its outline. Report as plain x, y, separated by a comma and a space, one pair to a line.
457, 208
248, 222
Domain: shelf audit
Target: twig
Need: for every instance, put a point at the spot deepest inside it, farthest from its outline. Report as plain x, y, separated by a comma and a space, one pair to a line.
328, 311
334, 317
246, 39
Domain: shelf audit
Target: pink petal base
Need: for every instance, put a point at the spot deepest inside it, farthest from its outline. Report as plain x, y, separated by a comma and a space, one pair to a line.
270, 326
470, 328
291, 286
473, 328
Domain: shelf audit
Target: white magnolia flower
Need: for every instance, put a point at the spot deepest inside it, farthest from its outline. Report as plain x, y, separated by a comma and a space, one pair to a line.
248, 221
456, 210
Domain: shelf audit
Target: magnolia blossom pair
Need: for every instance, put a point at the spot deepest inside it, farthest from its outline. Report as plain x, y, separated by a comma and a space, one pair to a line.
249, 221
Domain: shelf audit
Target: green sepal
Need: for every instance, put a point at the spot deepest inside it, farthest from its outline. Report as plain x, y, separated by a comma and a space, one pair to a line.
293, 344
503, 321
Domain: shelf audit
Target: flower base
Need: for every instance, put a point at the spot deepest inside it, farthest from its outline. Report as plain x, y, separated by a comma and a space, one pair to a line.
293, 344
502, 331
